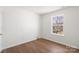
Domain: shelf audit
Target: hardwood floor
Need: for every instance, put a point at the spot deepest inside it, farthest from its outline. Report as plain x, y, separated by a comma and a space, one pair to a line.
40, 46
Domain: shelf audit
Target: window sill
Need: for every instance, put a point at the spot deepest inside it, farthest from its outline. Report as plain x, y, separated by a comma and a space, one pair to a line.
58, 34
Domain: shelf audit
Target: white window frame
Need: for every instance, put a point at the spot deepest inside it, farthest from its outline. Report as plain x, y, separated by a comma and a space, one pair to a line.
52, 25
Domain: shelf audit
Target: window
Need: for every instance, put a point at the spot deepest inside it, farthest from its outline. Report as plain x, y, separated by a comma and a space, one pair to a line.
57, 25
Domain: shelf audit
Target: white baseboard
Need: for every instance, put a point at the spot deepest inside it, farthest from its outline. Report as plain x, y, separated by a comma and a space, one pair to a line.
18, 44
63, 43
0, 50
44, 38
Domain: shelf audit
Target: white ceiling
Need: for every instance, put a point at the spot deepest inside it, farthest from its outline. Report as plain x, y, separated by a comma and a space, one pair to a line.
37, 9
43, 9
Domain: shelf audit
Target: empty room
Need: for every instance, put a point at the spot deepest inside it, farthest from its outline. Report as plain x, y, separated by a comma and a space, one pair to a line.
39, 29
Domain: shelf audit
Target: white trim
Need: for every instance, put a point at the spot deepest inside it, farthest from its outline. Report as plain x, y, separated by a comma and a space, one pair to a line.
18, 44
0, 50
57, 34
52, 25
63, 43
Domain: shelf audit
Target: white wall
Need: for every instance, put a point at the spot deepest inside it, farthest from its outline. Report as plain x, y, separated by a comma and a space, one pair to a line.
71, 28
19, 26
0, 29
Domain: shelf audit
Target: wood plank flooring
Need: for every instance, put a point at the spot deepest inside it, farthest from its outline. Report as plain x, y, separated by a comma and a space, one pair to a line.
40, 46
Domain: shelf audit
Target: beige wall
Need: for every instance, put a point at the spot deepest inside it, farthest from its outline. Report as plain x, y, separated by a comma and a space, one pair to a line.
71, 26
